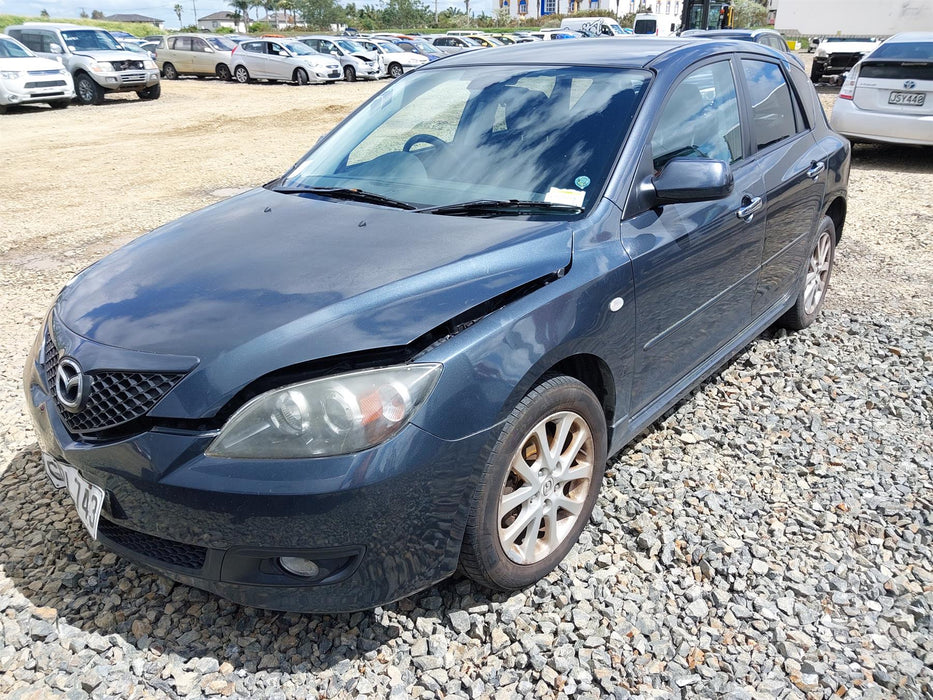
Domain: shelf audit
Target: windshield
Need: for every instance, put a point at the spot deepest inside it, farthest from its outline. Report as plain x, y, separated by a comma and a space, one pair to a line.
389, 48
424, 47
614, 28
220, 44
9, 49
350, 46
844, 39
90, 40
299, 49
440, 137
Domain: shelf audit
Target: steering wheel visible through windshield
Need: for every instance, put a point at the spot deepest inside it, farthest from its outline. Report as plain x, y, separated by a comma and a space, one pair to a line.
451, 135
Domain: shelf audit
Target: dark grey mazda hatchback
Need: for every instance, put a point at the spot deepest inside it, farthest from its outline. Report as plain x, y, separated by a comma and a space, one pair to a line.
418, 347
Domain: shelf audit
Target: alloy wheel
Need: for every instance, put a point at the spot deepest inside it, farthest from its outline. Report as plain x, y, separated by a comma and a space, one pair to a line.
548, 482
817, 273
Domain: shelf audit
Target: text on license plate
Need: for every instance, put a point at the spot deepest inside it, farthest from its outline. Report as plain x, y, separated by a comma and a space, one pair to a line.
88, 498
907, 98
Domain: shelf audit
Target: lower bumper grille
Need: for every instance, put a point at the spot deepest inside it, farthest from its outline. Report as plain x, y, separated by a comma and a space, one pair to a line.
185, 556
44, 83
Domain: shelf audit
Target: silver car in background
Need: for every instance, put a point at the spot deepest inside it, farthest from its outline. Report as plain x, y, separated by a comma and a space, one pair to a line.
888, 96
395, 60
355, 61
285, 60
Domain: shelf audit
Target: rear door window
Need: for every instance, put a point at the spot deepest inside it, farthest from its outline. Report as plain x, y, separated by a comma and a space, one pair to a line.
182, 43
773, 116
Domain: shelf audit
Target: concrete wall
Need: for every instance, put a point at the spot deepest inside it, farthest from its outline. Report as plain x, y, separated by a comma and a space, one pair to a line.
868, 17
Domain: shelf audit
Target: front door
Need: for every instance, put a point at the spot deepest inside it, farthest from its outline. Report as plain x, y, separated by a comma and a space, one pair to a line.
695, 264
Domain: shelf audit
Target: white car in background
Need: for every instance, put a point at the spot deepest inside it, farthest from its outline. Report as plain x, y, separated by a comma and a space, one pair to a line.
395, 60
280, 59
25, 78
356, 61
888, 96
837, 54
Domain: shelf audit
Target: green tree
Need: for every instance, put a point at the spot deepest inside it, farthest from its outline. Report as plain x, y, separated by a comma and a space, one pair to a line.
97, 14
44, 14
406, 13
178, 10
748, 13
83, 14
320, 13
240, 10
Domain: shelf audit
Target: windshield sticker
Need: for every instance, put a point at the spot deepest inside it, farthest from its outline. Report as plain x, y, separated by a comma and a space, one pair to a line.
556, 195
582, 182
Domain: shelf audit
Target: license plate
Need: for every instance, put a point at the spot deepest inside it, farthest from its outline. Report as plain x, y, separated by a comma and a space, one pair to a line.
907, 98
88, 498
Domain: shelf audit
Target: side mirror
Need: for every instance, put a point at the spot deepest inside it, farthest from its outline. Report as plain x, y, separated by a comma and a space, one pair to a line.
693, 180
207, 49
55, 48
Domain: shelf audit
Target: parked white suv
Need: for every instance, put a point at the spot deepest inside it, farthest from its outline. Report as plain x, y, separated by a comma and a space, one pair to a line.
98, 63
26, 78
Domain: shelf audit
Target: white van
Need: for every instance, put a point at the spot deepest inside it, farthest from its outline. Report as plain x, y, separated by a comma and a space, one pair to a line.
654, 25
593, 26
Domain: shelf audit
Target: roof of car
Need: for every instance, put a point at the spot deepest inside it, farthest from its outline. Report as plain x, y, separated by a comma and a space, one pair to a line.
727, 33
910, 36
614, 52
55, 25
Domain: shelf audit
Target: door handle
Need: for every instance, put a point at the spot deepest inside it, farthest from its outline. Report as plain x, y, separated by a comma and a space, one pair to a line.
750, 207
815, 169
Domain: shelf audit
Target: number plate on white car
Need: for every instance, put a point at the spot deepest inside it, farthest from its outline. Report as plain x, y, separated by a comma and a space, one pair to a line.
907, 98
88, 497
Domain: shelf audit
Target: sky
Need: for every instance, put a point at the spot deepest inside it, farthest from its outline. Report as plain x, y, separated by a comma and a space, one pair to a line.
163, 11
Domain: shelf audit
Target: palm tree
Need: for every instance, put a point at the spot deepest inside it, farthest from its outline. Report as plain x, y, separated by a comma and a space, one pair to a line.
178, 10
241, 8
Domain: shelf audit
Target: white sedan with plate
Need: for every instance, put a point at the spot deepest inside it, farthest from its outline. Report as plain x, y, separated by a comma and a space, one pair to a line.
25, 78
888, 96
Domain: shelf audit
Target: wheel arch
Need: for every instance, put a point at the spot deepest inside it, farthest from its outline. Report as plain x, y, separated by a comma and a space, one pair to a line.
837, 212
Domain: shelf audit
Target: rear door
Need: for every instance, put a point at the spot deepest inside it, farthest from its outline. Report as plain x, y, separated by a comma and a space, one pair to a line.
181, 54
794, 170
695, 263
253, 55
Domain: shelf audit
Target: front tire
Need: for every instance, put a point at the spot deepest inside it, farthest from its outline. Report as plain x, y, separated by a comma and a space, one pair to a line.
241, 75
150, 93
395, 71
301, 77
539, 486
87, 91
349, 74
223, 72
169, 72
815, 282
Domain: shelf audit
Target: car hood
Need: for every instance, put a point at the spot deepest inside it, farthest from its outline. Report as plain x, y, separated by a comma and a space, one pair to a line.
267, 280
112, 55
29, 63
863, 47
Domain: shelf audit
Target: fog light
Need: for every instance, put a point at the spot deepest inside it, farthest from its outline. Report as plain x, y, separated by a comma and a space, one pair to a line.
299, 566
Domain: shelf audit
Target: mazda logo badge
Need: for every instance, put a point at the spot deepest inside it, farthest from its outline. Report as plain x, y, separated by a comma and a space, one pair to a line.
910, 84
70, 385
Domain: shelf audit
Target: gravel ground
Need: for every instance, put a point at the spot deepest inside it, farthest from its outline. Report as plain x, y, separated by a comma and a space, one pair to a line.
770, 537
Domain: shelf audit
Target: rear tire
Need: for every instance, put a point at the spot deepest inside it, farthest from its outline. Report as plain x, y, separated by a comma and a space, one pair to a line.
349, 74
150, 93
539, 486
815, 282
169, 72
223, 72
87, 91
241, 75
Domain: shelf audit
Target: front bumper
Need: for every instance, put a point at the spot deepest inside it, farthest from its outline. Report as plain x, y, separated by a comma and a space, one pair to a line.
126, 81
382, 524
861, 125
15, 92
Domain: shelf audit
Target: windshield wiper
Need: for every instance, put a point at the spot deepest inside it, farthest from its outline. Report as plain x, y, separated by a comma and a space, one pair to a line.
505, 207
347, 193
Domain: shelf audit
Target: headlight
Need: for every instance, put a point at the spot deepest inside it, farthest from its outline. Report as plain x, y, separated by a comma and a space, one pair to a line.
101, 67
329, 416
149, 65
820, 52
11, 74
